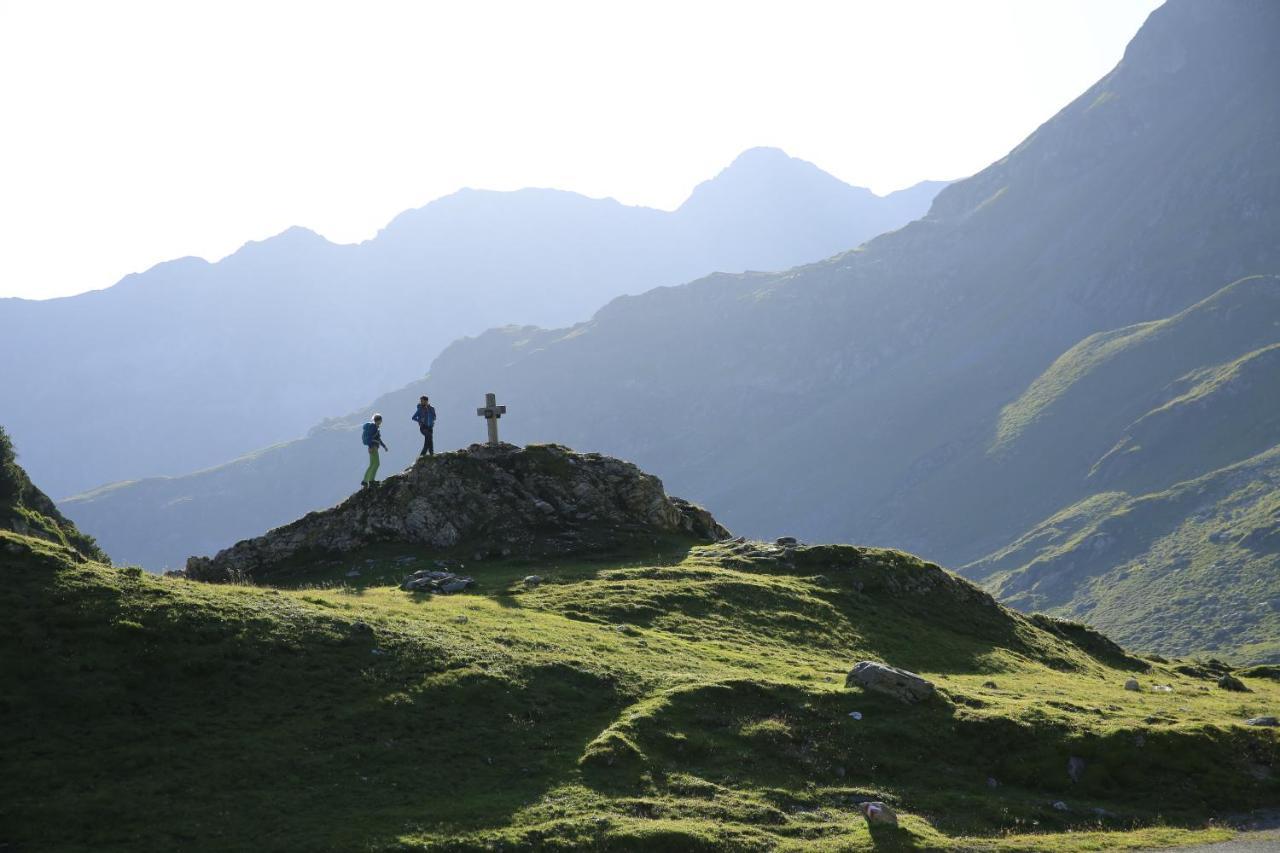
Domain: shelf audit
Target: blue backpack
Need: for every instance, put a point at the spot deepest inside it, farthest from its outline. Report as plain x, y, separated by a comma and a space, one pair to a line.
370, 430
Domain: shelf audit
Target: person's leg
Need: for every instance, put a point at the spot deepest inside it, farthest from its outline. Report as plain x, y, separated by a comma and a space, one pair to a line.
431, 441
372, 471
426, 442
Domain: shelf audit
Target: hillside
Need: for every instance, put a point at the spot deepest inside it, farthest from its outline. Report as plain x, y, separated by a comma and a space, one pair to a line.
1163, 440
27, 511
191, 363
882, 395
652, 693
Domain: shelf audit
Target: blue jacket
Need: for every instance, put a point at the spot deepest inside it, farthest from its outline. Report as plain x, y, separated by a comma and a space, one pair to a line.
371, 436
426, 418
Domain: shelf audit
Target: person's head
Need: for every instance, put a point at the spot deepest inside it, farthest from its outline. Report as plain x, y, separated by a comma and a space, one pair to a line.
423, 399
377, 419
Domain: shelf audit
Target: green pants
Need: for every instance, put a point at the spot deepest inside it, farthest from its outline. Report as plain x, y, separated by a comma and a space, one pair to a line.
372, 471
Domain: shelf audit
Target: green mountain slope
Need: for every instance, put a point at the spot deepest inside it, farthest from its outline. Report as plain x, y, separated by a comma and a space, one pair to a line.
1163, 440
27, 511
687, 697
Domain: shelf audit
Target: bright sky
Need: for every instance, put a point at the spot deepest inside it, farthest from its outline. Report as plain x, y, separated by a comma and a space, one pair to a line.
134, 132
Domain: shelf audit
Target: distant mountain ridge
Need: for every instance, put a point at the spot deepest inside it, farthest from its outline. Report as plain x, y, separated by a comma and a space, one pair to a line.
191, 363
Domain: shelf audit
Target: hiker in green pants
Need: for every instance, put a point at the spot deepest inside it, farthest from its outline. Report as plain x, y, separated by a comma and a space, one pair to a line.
371, 436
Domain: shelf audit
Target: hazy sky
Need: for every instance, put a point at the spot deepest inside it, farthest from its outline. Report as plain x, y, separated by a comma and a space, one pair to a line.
135, 132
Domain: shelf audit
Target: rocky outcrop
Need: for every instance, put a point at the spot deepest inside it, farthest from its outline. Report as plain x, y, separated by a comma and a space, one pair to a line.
536, 500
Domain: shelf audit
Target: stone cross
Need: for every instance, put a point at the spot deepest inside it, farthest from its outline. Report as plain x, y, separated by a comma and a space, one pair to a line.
491, 411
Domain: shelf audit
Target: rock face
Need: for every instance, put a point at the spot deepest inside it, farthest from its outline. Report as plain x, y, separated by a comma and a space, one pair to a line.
541, 499
898, 683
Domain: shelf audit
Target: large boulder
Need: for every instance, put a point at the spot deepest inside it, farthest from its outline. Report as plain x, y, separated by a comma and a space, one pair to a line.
536, 500
899, 683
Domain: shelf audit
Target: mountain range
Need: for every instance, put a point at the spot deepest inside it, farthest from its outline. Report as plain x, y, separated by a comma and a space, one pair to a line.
192, 363
1057, 379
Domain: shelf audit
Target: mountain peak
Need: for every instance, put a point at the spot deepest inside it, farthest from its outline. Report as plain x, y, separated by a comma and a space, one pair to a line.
767, 175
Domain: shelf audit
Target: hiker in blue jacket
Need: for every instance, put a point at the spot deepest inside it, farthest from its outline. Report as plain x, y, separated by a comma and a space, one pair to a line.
425, 415
372, 438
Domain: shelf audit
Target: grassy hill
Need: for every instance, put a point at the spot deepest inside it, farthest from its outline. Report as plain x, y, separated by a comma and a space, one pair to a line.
690, 697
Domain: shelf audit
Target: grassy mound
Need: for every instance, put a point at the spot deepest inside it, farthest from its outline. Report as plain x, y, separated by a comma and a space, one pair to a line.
689, 698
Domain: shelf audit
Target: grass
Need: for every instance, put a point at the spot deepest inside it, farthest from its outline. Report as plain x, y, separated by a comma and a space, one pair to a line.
683, 699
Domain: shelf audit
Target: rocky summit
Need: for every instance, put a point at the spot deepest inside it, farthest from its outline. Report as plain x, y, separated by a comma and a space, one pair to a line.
488, 500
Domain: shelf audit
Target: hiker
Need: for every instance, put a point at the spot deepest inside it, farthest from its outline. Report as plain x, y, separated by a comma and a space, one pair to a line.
425, 415
372, 438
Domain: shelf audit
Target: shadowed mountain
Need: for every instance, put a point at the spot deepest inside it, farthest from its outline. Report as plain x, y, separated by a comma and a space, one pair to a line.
192, 363
918, 392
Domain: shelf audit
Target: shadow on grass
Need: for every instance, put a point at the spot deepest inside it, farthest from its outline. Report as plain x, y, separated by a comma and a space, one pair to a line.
182, 717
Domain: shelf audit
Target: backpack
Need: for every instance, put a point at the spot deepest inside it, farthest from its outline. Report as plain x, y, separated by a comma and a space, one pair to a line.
370, 430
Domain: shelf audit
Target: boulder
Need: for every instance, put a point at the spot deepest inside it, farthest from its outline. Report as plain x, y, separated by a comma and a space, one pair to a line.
899, 683
878, 814
1262, 721
1132, 684
1230, 682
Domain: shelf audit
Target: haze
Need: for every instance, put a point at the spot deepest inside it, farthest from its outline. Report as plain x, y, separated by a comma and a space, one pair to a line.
140, 131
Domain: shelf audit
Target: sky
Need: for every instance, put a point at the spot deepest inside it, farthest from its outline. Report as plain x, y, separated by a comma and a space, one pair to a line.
136, 132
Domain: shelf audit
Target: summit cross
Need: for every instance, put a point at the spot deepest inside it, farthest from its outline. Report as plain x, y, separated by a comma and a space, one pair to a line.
491, 411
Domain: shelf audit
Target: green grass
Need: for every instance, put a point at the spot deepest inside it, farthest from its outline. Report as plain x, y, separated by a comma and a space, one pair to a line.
683, 699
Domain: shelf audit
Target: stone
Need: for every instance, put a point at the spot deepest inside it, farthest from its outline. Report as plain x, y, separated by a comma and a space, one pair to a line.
991, 685
485, 499
532, 580
1262, 721
899, 683
1075, 767
1132, 684
878, 814
1163, 688
1059, 805
992, 782
354, 573
786, 541
1235, 685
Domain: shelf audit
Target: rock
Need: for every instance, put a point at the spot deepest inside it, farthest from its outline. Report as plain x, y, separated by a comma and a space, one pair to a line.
1075, 767
992, 783
1262, 721
1163, 688
532, 580
991, 685
899, 683
354, 573
878, 814
857, 715
1132, 684
1235, 685
786, 541
539, 500
446, 583
1059, 805
361, 628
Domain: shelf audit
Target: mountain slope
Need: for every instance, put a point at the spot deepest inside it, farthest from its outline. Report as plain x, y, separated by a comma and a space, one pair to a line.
27, 511
1162, 442
855, 399
190, 364
672, 695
